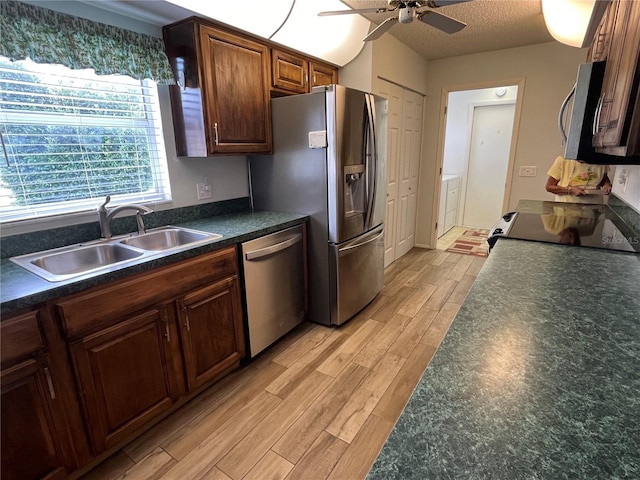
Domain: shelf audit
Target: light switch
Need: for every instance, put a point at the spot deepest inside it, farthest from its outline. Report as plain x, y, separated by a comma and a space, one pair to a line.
528, 171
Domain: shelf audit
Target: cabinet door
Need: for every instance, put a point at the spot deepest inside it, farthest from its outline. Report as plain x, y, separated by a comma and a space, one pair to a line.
599, 49
212, 330
29, 445
620, 84
322, 74
123, 376
235, 79
289, 72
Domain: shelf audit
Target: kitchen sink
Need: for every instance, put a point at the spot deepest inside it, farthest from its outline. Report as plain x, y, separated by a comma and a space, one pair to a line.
102, 256
69, 262
166, 238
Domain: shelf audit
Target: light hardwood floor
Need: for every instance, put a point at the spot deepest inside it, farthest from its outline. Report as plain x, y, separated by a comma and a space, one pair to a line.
448, 239
321, 402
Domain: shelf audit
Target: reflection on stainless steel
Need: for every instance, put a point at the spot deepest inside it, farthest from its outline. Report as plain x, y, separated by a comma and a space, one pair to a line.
274, 273
329, 162
167, 238
575, 224
83, 259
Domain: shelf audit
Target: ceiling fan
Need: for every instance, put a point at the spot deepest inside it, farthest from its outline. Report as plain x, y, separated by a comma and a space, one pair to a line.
407, 12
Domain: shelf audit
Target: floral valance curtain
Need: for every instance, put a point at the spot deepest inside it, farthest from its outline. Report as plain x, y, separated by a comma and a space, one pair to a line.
46, 36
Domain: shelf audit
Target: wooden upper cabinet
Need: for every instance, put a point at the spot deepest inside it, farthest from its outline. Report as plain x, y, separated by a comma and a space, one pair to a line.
225, 79
322, 74
237, 103
599, 49
295, 73
618, 114
221, 104
289, 72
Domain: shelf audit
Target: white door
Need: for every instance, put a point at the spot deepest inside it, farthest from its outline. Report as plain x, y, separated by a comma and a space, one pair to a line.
411, 134
393, 93
488, 160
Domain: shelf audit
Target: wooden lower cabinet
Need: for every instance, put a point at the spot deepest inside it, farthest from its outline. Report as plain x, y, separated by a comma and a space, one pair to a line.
123, 376
126, 373
30, 447
42, 432
141, 345
88, 372
211, 331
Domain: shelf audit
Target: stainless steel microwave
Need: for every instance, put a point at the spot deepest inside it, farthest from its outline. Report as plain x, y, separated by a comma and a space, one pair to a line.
583, 101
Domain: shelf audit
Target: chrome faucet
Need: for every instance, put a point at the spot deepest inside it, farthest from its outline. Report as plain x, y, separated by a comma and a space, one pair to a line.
105, 216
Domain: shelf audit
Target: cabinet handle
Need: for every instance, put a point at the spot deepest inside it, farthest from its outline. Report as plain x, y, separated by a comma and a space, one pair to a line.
165, 319
306, 78
52, 392
596, 117
215, 133
185, 311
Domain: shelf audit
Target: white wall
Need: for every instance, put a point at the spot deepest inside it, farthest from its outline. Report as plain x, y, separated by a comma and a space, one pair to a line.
549, 70
631, 192
389, 59
458, 129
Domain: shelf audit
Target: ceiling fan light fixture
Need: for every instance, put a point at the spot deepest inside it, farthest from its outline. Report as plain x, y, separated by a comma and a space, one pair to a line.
573, 22
406, 14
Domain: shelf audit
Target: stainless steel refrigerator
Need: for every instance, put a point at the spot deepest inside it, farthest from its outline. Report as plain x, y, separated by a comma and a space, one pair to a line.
329, 162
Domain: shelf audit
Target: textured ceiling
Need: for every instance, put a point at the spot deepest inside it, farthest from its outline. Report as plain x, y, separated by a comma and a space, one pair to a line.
491, 25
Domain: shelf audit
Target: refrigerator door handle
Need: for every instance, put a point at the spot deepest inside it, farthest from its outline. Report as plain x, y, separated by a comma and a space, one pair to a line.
346, 250
371, 155
263, 252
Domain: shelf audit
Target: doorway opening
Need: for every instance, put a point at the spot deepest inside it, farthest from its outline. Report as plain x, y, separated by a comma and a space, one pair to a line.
477, 159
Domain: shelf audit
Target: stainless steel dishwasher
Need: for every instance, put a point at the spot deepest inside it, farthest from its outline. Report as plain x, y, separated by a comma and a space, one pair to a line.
275, 285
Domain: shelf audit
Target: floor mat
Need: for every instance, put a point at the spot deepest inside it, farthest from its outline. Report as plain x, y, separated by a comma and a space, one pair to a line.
471, 242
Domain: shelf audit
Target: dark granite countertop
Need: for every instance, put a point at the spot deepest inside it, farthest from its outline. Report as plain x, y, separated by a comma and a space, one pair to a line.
537, 377
21, 289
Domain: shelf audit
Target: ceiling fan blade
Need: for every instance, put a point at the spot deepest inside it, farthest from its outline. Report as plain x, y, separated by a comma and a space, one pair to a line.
349, 12
441, 22
380, 29
440, 3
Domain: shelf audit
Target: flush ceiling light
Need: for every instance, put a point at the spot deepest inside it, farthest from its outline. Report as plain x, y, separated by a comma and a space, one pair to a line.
294, 23
573, 22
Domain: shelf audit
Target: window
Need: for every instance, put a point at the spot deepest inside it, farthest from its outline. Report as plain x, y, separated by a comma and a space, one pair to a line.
70, 137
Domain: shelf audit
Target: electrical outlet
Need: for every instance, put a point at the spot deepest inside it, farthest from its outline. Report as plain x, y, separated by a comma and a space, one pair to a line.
528, 171
204, 191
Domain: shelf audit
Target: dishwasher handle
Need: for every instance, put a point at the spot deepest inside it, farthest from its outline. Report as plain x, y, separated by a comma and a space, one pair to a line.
263, 252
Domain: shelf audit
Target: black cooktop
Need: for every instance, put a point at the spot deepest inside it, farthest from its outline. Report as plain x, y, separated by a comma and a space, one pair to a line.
576, 224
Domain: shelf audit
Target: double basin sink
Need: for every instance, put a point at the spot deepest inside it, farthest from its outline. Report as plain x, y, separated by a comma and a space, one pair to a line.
102, 256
